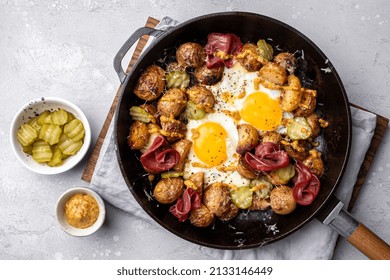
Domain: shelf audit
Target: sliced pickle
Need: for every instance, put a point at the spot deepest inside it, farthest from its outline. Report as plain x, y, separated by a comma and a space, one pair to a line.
242, 197
26, 135
75, 130
50, 133
68, 146
34, 123
71, 117
59, 117
140, 114
299, 129
57, 157
193, 112
28, 149
44, 117
41, 151
171, 174
286, 173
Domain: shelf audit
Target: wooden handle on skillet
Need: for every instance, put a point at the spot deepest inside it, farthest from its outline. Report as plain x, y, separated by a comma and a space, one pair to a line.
369, 243
360, 236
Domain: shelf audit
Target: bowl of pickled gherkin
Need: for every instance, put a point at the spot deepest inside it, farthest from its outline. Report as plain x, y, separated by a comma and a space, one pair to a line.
50, 135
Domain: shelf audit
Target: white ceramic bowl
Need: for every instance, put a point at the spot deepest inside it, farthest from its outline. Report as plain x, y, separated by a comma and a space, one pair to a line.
29, 111
60, 212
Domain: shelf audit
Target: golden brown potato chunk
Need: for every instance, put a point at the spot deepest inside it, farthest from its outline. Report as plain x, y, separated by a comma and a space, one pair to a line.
202, 97
208, 76
172, 103
248, 138
308, 103
273, 73
230, 213
196, 182
168, 190
190, 55
183, 148
201, 217
271, 136
172, 129
258, 203
313, 121
138, 136
315, 163
151, 83
245, 170
298, 149
249, 57
282, 200
216, 197
287, 61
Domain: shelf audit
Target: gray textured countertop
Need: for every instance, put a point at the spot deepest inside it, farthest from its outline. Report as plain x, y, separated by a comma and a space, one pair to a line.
66, 48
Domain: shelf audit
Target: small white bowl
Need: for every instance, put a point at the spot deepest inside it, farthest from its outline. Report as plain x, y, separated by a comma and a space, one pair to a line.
31, 110
60, 212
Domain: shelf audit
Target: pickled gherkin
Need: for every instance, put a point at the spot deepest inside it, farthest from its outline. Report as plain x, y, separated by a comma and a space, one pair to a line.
50, 133
75, 130
41, 151
266, 51
177, 79
242, 197
34, 123
44, 117
26, 135
68, 146
28, 149
57, 157
59, 117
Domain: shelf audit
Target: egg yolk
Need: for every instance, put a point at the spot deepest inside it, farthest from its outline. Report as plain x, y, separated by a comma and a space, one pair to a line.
210, 143
261, 111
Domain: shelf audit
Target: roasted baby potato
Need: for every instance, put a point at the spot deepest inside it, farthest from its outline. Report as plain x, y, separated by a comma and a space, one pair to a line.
230, 213
172, 129
168, 190
271, 136
291, 98
313, 121
196, 182
248, 138
138, 136
183, 148
308, 103
298, 149
190, 55
172, 103
258, 203
217, 199
201, 217
282, 200
202, 97
249, 58
151, 83
273, 73
315, 163
287, 61
208, 76
245, 170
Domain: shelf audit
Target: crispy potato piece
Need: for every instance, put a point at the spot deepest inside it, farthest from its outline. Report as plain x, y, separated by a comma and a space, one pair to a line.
190, 55
172, 129
315, 163
183, 148
138, 136
249, 57
258, 203
172, 103
201, 217
245, 170
308, 103
271, 136
196, 182
298, 149
287, 61
274, 73
230, 213
248, 138
168, 190
151, 83
313, 121
208, 76
282, 200
217, 199
201, 97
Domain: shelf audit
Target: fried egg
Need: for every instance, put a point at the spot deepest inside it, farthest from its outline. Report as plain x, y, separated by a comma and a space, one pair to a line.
238, 99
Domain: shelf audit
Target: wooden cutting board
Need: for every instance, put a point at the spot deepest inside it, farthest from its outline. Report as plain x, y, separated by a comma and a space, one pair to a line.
380, 129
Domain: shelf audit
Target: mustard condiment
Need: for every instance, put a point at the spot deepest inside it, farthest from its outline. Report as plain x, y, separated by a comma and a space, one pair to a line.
81, 210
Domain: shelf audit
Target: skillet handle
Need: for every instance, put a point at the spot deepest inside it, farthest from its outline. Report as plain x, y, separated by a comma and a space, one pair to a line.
126, 47
361, 237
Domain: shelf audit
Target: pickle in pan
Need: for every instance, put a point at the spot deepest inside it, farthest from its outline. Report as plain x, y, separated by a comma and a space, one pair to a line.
44, 117
26, 135
41, 151
59, 117
75, 130
50, 133
68, 146
57, 157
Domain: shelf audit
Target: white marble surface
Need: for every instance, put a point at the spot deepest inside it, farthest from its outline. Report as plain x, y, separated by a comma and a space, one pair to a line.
65, 49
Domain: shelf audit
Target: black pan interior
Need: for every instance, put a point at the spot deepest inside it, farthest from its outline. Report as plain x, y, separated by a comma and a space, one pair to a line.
248, 229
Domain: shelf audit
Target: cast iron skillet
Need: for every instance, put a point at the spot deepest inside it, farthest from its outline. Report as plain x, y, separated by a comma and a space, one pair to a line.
248, 229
